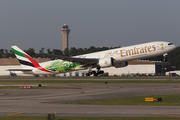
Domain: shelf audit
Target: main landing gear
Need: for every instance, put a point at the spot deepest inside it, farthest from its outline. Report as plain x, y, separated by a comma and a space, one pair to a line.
99, 72
94, 73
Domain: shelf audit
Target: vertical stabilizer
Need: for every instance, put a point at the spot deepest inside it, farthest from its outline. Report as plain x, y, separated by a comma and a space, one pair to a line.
25, 60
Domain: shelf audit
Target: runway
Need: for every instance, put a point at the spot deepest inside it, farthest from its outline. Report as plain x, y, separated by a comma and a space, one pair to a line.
40, 102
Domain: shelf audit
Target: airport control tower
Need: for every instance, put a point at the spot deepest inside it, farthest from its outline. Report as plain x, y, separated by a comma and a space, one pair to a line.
65, 32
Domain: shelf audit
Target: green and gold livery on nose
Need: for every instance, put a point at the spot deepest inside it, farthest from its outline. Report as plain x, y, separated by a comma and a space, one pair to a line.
162, 46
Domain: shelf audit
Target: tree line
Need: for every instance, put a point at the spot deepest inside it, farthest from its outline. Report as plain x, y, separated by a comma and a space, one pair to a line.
172, 57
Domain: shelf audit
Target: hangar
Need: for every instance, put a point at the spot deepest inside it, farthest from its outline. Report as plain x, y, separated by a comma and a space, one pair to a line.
141, 67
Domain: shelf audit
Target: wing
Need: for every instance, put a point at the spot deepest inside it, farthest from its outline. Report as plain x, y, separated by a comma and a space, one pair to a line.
19, 69
81, 61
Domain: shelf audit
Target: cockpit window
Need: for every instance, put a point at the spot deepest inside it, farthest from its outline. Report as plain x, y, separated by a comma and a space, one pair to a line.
170, 44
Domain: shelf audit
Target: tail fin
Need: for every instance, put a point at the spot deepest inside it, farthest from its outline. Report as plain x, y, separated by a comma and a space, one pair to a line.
25, 60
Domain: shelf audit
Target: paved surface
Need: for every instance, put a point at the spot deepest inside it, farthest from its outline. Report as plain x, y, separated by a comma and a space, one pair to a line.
40, 102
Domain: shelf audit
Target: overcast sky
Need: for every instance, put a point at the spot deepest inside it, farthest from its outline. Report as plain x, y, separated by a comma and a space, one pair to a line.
110, 23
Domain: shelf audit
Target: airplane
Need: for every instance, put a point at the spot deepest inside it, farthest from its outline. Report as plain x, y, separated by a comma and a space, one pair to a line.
117, 58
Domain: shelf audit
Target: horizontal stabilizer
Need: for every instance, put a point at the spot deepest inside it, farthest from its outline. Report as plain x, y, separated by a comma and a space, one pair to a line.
19, 70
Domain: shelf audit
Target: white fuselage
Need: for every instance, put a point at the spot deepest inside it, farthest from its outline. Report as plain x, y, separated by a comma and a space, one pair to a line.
133, 52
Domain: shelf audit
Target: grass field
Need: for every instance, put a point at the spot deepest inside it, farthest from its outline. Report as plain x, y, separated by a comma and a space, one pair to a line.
87, 118
96, 80
167, 100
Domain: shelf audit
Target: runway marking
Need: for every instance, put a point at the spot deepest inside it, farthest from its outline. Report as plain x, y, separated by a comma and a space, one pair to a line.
14, 113
166, 115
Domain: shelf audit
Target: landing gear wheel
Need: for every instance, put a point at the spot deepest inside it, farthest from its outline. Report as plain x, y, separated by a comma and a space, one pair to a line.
90, 73
87, 74
95, 74
100, 72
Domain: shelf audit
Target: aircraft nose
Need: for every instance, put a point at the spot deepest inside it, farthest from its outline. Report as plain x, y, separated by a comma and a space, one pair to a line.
172, 45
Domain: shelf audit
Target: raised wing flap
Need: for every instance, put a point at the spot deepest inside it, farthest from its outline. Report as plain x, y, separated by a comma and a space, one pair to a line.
81, 61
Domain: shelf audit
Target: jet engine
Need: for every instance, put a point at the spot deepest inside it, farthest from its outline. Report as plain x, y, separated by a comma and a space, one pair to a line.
106, 62
118, 64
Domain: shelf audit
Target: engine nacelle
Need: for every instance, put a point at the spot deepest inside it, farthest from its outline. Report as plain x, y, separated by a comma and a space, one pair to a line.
118, 64
106, 62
